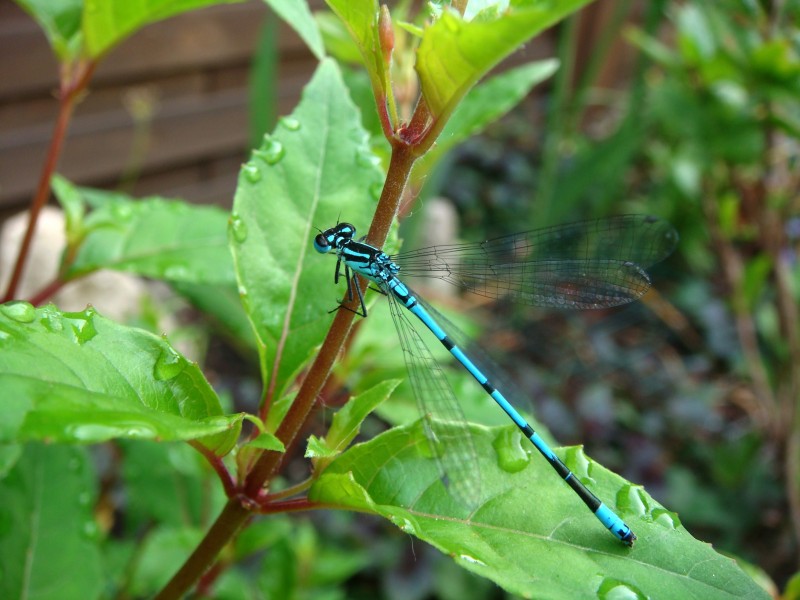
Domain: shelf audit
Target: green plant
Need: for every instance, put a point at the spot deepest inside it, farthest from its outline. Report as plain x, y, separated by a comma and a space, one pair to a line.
726, 168
71, 378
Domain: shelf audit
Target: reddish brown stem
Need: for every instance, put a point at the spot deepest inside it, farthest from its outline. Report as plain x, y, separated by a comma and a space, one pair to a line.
295, 505
73, 84
230, 520
216, 463
46, 292
386, 121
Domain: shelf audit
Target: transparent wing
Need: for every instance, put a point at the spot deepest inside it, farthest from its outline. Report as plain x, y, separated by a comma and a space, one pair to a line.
588, 264
447, 430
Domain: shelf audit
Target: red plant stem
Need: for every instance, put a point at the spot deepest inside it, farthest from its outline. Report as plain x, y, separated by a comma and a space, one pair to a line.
294, 505
230, 520
239, 508
216, 463
386, 121
73, 84
46, 292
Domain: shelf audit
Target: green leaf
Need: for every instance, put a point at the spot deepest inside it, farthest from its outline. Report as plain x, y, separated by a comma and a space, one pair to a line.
347, 420
338, 41
486, 103
531, 534
361, 19
314, 169
61, 22
107, 22
153, 237
169, 484
163, 552
48, 541
267, 441
299, 17
71, 200
78, 377
454, 54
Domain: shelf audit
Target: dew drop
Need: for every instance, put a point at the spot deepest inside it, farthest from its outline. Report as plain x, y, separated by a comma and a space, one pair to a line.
82, 324
511, 456
100, 432
122, 211
632, 499
579, 464
613, 589
289, 123
238, 228
140, 431
666, 518
84, 498
90, 530
51, 319
168, 364
272, 151
404, 524
251, 172
19, 310
471, 559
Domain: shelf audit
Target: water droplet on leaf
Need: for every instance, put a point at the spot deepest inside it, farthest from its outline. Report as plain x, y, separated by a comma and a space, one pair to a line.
512, 457
100, 432
666, 518
122, 211
471, 559
404, 524
579, 464
613, 589
90, 530
82, 324
238, 228
632, 499
20, 311
168, 364
289, 123
251, 172
272, 151
51, 319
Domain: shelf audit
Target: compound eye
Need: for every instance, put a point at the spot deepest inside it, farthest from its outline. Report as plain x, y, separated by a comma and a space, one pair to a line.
321, 244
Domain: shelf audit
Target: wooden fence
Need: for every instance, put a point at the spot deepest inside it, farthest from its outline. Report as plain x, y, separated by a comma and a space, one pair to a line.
189, 72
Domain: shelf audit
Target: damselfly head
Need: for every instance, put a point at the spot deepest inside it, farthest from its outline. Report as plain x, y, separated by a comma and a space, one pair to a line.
334, 237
